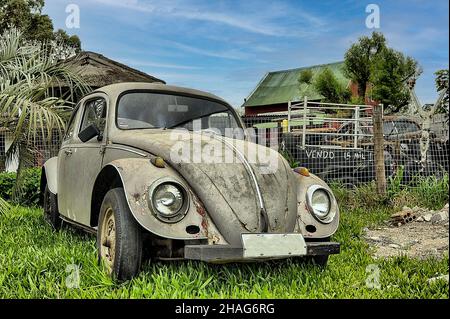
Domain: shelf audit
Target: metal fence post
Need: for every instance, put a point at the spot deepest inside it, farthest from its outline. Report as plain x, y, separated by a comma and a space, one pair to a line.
355, 142
378, 140
305, 110
289, 116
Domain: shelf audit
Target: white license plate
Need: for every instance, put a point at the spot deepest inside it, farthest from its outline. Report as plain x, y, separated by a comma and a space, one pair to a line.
273, 245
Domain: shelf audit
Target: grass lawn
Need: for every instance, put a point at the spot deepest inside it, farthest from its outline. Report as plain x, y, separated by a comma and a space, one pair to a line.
35, 263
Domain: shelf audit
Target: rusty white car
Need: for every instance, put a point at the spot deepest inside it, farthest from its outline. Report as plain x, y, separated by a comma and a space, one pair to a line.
119, 174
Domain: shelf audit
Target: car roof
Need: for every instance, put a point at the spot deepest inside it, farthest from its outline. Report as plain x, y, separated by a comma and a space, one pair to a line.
119, 88
400, 118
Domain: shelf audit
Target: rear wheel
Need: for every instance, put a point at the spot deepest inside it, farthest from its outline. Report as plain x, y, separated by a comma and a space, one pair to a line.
119, 237
51, 214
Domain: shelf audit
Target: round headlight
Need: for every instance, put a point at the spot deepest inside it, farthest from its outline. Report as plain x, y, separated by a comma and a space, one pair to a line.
320, 203
169, 201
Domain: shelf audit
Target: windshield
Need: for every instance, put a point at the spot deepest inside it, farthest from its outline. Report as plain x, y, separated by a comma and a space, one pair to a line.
145, 110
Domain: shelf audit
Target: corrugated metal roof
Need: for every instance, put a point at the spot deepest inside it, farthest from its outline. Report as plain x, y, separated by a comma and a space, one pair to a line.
283, 86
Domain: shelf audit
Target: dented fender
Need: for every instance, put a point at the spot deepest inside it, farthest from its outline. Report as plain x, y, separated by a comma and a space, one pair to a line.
305, 217
137, 176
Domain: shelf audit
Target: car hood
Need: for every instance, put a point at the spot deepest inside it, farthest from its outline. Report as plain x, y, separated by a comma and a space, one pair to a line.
225, 182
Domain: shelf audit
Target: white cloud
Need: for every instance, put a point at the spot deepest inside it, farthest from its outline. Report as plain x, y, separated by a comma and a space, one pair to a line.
258, 21
156, 65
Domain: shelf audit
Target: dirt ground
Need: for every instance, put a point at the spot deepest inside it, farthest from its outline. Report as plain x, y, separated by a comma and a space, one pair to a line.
417, 239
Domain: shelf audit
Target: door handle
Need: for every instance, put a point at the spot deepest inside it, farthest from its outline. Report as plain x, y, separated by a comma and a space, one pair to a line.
68, 152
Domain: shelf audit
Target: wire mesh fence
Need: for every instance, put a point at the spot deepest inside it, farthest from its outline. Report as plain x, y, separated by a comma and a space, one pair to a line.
334, 141
40, 148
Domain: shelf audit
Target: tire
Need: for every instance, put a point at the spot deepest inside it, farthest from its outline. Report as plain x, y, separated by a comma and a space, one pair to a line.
119, 237
320, 261
51, 214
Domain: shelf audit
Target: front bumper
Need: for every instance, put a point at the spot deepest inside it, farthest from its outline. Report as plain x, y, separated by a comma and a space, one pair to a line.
226, 253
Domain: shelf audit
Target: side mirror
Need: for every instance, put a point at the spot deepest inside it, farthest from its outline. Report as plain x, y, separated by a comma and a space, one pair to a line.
88, 133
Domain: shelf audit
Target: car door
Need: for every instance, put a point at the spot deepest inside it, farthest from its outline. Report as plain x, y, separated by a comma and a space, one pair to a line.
80, 163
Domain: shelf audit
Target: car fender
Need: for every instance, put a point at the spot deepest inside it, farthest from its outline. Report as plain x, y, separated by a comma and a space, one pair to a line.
137, 176
50, 173
305, 217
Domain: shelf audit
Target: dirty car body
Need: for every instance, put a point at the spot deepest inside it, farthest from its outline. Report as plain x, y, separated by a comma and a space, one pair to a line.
119, 174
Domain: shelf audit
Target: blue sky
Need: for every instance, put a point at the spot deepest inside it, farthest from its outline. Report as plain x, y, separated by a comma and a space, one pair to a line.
226, 47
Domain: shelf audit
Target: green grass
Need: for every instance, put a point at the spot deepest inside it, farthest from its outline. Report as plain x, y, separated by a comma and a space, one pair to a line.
33, 261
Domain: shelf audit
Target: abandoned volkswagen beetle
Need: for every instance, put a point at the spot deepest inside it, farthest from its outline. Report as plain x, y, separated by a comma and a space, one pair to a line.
149, 169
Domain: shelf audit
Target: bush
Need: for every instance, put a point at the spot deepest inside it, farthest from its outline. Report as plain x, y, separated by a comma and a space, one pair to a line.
28, 193
330, 88
306, 76
7, 181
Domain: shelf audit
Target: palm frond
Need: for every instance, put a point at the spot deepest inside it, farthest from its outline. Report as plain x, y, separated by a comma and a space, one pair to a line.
30, 75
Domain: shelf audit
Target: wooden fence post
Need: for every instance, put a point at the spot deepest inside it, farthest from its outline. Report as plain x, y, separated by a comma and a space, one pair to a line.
378, 141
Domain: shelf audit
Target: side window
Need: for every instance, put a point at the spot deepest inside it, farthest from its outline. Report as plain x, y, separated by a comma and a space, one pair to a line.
412, 127
221, 121
70, 130
345, 132
94, 113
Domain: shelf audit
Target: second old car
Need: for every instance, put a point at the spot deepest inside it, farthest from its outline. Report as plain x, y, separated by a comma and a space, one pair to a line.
152, 171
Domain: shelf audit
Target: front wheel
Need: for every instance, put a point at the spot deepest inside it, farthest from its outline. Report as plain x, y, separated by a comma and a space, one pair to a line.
119, 237
51, 214
320, 261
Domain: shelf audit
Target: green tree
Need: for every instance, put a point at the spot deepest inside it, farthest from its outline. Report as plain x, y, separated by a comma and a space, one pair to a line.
370, 60
305, 76
359, 57
329, 87
442, 84
389, 71
28, 73
27, 16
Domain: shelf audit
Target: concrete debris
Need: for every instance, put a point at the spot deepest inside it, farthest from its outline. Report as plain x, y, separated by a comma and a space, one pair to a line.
439, 217
425, 236
407, 215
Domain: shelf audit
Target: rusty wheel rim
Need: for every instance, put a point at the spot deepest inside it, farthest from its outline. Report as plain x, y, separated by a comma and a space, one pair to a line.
108, 239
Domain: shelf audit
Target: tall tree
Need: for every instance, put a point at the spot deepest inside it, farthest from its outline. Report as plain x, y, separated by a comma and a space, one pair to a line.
370, 60
359, 57
26, 15
389, 73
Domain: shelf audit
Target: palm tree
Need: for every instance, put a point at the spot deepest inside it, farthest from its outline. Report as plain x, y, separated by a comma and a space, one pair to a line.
30, 74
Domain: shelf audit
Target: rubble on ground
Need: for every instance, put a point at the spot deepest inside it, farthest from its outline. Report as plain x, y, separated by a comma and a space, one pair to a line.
415, 232
408, 215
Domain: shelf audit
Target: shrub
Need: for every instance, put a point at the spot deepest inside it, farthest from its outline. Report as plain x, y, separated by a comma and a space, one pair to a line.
329, 87
7, 181
28, 192
306, 76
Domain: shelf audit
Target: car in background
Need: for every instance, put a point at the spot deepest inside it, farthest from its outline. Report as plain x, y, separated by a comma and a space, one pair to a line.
402, 137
